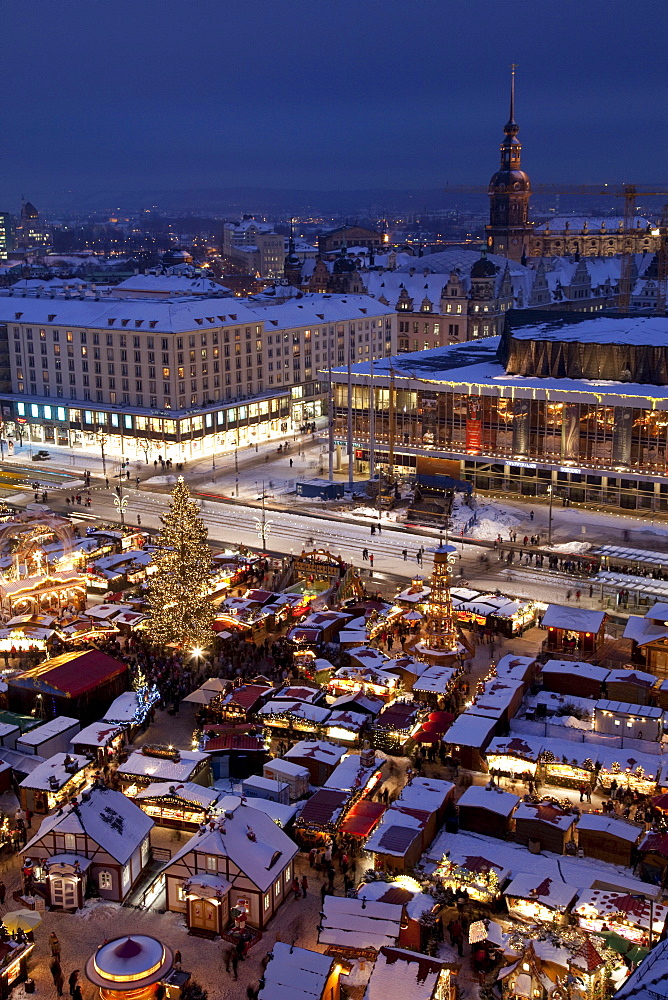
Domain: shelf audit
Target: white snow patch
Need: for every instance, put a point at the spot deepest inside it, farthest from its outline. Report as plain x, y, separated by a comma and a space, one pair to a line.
571, 547
480, 520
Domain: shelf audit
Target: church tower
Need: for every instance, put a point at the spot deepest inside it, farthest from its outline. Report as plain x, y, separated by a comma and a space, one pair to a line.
509, 193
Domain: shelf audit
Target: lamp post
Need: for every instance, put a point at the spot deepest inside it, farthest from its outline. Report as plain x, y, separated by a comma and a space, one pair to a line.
102, 438
549, 520
120, 498
263, 525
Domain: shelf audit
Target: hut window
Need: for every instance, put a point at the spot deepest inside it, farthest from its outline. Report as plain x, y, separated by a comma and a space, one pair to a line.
70, 842
211, 863
105, 880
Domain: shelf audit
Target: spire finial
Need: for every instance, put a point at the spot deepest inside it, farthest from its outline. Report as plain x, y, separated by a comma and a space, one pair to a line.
513, 67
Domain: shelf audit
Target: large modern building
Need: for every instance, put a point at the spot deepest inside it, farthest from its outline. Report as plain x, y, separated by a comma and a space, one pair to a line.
580, 407
186, 376
254, 247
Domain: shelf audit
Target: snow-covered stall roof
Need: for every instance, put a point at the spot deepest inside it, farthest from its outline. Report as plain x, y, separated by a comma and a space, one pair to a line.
109, 818
523, 747
359, 924
186, 790
295, 974
55, 772
324, 753
490, 798
576, 667
249, 838
300, 709
553, 893
142, 765
638, 911
350, 776
572, 618
613, 826
470, 730
98, 734
546, 812
435, 680
410, 975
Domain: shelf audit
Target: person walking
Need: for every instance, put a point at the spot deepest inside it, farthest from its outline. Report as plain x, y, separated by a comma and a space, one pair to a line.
296, 889
371, 559
404, 553
77, 995
304, 885
3, 893
235, 963
72, 981
54, 945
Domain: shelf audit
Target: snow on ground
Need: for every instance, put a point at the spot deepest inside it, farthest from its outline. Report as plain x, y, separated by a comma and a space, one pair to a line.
480, 520
570, 548
371, 514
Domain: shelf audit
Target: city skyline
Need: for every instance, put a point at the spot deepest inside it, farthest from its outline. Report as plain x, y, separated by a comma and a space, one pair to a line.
344, 96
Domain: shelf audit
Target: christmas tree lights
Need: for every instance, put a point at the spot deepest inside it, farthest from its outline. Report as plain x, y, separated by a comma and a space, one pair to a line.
181, 612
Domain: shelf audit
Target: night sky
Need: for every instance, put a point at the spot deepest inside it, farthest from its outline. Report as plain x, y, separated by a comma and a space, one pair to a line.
129, 95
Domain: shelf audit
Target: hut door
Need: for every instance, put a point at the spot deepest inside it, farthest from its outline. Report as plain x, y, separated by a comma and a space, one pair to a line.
64, 893
204, 915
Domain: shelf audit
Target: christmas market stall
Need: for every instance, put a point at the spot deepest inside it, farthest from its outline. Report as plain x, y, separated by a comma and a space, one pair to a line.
318, 757
160, 763
631, 685
99, 741
633, 917
487, 810
358, 928
370, 679
54, 782
576, 633
105, 840
132, 709
359, 774
631, 769
568, 764
513, 755
608, 838
362, 818
574, 677
416, 902
311, 667
653, 857
413, 975
544, 826
234, 753
518, 668
239, 873
244, 701
481, 877
298, 716
468, 738
319, 820
532, 898
180, 806
393, 726
435, 683
346, 727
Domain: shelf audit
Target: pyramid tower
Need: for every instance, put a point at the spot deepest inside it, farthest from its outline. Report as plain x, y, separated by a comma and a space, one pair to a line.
439, 631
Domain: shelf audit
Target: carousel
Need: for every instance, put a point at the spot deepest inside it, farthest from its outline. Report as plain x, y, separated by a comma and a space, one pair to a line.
38, 573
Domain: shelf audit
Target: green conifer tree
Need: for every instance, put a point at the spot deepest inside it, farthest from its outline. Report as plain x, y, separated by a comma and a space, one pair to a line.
181, 611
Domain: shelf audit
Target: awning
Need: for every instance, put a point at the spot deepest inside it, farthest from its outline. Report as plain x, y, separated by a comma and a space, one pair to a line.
363, 817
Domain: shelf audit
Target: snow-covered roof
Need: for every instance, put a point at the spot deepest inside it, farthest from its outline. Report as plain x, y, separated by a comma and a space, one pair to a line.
53, 774
613, 826
427, 794
281, 766
643, 712
470, 730
638, 677
649, 981
350, 776
435, 679
637, 911
644, 630
98, 734
109, 818
359, 924
353, 721
295, 973
492, 799
546, 812
259, 856
515, 745
593, 224
572, 618
324, 753
542, 889
276, 811
514, 666
123, 708
414, 902
54, 727
186, 790
300, 709
629, 760
410, 975
162, 768
570, 751
577, 667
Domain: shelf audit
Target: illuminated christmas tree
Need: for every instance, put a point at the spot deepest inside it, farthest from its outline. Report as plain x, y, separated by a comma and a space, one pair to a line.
181, 612
440, 630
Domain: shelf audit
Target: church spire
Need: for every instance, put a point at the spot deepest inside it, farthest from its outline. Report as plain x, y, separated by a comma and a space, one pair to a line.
511, 118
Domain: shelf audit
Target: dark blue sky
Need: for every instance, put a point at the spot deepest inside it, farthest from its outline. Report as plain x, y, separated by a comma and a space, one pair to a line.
125, 95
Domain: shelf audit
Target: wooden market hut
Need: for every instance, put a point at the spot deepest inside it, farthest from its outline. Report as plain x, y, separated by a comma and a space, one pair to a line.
487, 810
81, 684
608, 838
574, 633
545, 825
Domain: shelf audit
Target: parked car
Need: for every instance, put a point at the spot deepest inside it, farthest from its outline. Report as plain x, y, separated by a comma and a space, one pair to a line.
41, 456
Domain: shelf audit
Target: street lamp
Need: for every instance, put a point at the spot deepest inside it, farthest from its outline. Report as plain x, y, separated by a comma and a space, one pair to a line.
549, 520
102, 438
120, 498
263, 525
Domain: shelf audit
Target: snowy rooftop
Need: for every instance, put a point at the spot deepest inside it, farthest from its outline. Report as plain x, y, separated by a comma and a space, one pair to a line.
162, 768
637, 911
610, 825
349, 776
595, 224
109, 818
359, 924
638, 677
324, 753
470, 730
259, 858
630, 760
545, 812
542, 889
410, 975
589, 670
186, 790
123, 708
48, 730
573, 619
300, 709
525, 748
435, 680
53, 773
492, 799
98, 734
295, 974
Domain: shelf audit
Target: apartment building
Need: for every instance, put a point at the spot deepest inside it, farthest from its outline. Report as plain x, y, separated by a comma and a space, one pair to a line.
182, 376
